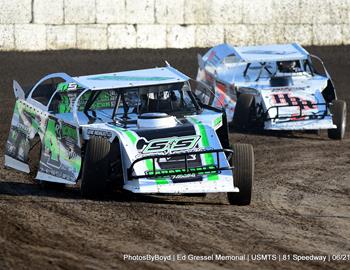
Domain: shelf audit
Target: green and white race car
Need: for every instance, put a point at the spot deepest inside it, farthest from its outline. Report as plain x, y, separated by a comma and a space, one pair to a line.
143, 131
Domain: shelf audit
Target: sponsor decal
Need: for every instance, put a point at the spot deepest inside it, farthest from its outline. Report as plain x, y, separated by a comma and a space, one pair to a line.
167, 145
51, 140
104, 100
185, 176
191, 172
66, 87
211, 55
61, 156
99, 133
213, 58
296, 88
68, 131
290, 100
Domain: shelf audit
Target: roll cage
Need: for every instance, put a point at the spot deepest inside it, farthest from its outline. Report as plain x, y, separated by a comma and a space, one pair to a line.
142, 95
120, 82
60, 76
305, 65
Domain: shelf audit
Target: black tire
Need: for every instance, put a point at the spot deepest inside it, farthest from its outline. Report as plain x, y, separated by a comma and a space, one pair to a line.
338, 109
116, 180
51, 185
34, 157
95, 169
243, 112
243, 173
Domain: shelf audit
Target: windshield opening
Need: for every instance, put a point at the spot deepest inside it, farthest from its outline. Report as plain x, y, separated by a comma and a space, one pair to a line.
266, 70
128, 103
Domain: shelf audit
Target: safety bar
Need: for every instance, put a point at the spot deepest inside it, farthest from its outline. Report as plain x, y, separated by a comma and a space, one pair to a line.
300, 115
208, 169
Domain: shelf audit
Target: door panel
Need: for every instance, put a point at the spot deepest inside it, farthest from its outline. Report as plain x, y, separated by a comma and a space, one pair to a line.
61, 153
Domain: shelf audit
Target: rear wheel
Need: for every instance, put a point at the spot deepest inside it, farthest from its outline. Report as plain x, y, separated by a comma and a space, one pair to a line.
95, 168
243, 173
34, 157
338, 109
243, 112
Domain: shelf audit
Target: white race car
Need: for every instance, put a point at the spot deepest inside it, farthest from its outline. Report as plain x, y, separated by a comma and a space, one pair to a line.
276, 87
141, 131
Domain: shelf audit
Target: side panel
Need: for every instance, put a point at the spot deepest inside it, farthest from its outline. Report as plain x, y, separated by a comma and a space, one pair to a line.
226, 97
61, 153
216, 93
26, 123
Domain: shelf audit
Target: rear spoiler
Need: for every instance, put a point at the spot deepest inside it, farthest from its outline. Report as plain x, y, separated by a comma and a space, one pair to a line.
201, 62
18, 91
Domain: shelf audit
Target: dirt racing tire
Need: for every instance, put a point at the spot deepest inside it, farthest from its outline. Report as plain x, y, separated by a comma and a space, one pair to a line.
95, 168
242, 161
34, 156
338, 110
243, 112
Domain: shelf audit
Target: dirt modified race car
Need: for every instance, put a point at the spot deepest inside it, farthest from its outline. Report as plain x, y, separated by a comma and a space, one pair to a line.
275, 87
141, 131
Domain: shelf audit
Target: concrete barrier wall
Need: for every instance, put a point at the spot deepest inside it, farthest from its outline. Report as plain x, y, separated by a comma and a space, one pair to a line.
112, 24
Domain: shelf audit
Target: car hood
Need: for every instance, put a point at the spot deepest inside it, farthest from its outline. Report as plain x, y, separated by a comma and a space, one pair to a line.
196, 134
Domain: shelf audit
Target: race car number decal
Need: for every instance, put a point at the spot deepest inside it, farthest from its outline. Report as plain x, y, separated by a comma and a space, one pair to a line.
167, 145
288, 99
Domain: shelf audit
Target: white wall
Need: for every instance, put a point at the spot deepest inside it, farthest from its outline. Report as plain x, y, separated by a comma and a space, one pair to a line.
103, 24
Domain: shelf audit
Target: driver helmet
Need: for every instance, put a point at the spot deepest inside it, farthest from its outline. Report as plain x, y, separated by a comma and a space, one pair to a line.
286, 66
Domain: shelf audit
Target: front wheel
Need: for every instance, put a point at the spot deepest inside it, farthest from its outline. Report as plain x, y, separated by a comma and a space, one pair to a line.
244, 110
338, 109
242, 161
95, 168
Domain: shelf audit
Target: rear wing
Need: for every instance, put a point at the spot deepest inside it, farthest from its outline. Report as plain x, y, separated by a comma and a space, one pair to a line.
217, 54
271, 53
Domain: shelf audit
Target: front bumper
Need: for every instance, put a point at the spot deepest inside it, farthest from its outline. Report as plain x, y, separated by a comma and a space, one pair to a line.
302, 120
224, 183
325, 123
215, 177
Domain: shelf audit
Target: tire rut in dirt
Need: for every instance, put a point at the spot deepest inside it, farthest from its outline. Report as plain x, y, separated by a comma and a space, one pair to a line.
300, 202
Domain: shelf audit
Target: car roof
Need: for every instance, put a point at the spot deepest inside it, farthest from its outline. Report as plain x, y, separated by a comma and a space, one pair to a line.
274, 52
134, 78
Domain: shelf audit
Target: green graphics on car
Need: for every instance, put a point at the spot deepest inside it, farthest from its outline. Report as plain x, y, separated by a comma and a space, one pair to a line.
144, 131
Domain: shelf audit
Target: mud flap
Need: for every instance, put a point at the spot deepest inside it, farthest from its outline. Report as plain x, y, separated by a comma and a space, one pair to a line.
61, 153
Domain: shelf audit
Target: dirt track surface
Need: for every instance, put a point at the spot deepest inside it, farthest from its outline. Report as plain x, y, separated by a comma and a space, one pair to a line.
300, 205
